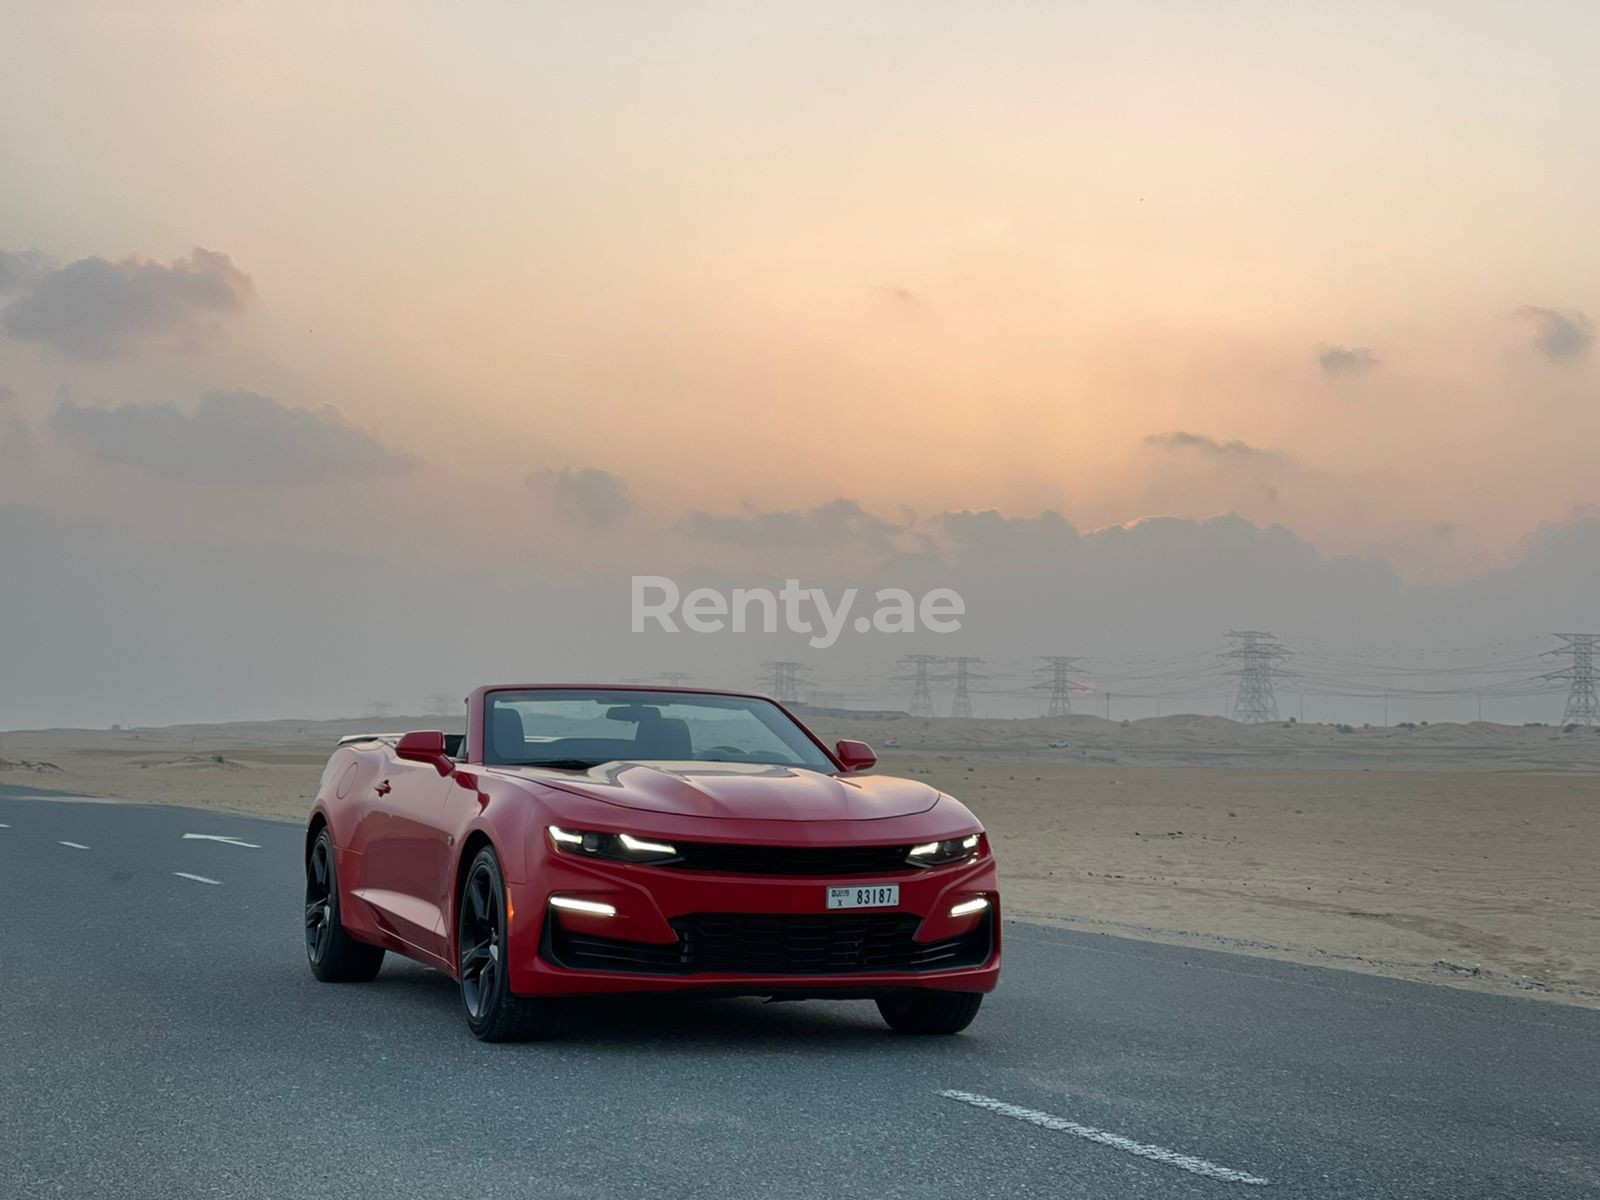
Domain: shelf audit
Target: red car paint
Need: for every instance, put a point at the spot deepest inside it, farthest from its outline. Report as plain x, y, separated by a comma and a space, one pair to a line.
404, 830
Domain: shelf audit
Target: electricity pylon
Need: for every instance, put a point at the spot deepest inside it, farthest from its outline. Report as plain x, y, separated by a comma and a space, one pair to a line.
1059, 667
784, 680
1259, 657
961, 706
674, 678
1583, 707
921, 690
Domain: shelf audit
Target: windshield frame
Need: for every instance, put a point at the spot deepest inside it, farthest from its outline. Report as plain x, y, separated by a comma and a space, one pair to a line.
759, 706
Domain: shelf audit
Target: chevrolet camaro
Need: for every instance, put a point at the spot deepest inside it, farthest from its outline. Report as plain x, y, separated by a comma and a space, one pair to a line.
581, 840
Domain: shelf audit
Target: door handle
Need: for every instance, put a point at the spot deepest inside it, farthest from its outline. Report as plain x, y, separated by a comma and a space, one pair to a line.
383, 789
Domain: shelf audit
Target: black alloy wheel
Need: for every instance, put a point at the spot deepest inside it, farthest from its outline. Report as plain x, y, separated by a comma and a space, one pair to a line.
494, 1013
334, 955
482, 938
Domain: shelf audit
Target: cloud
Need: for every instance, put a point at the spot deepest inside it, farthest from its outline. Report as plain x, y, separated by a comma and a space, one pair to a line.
991, 532
587, 495
95, 308
898, 293
1560, 334
166, 630
16, 439
230, 438
19, 269
1200, 474
835, 523
1345, 360
1180, 439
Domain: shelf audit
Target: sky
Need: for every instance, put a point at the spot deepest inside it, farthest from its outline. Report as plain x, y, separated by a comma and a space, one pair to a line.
357, 304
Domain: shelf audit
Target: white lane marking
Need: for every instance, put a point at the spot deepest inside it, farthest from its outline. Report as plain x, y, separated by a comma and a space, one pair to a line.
1172, 1158
4, 826
196, 878
74, 845
217, 837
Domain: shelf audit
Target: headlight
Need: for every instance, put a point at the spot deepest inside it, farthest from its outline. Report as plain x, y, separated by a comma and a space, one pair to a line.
940, 854
622, 847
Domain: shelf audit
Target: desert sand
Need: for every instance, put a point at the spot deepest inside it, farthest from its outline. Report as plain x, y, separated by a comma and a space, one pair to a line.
1455, 854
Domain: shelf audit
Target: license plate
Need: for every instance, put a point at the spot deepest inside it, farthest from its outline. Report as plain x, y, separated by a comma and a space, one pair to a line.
875, 895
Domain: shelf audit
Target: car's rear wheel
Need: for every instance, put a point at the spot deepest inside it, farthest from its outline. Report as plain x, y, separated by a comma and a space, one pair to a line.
494, 1013
929, 1012
334, 955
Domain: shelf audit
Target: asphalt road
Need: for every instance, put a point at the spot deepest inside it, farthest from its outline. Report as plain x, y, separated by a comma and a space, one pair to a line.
161, 1036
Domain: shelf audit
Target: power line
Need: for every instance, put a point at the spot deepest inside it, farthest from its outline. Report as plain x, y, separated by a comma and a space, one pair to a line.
1469, 675
1059, 667
961, 706
1583, 707
921, 691
783, 680
1258, 654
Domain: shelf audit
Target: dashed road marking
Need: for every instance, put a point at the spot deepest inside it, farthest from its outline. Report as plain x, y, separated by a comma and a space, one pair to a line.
4, 826
74, 845
1160, 1154
196, 878
217, 837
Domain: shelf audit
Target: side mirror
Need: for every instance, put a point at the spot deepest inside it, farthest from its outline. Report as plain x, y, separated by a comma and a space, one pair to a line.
425, 747
856, 756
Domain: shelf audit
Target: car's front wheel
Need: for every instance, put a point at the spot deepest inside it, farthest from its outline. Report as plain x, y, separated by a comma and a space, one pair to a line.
929, 1012
494, 1013
334, 955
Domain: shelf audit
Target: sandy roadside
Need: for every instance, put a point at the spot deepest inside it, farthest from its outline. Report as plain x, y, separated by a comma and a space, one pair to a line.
1478, 877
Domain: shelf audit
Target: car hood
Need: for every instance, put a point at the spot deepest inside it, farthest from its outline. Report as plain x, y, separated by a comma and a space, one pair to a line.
739, 791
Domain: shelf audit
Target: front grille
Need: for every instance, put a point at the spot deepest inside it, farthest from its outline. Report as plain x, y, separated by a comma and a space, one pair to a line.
808, 944
791, 860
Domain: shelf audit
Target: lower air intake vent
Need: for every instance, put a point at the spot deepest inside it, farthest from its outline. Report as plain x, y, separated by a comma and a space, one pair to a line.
741, 944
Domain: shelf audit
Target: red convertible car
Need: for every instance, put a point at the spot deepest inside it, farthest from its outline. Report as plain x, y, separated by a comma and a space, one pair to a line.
579, 840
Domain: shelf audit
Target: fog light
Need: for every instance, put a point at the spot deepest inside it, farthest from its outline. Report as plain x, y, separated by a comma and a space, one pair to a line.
593, 907
967, 907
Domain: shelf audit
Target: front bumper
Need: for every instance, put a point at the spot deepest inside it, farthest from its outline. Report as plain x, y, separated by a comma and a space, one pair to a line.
678, 930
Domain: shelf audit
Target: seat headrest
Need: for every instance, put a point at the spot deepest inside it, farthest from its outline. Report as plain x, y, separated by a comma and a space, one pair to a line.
664, 738
507, 737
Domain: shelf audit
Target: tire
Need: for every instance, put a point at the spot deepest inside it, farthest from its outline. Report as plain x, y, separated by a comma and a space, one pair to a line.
929, 1012
334, 955
493, 1012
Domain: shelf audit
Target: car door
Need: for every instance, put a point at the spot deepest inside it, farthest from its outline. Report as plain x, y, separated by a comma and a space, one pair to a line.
408, 852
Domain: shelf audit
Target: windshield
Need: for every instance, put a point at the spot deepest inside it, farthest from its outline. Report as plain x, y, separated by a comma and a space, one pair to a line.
580, 728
